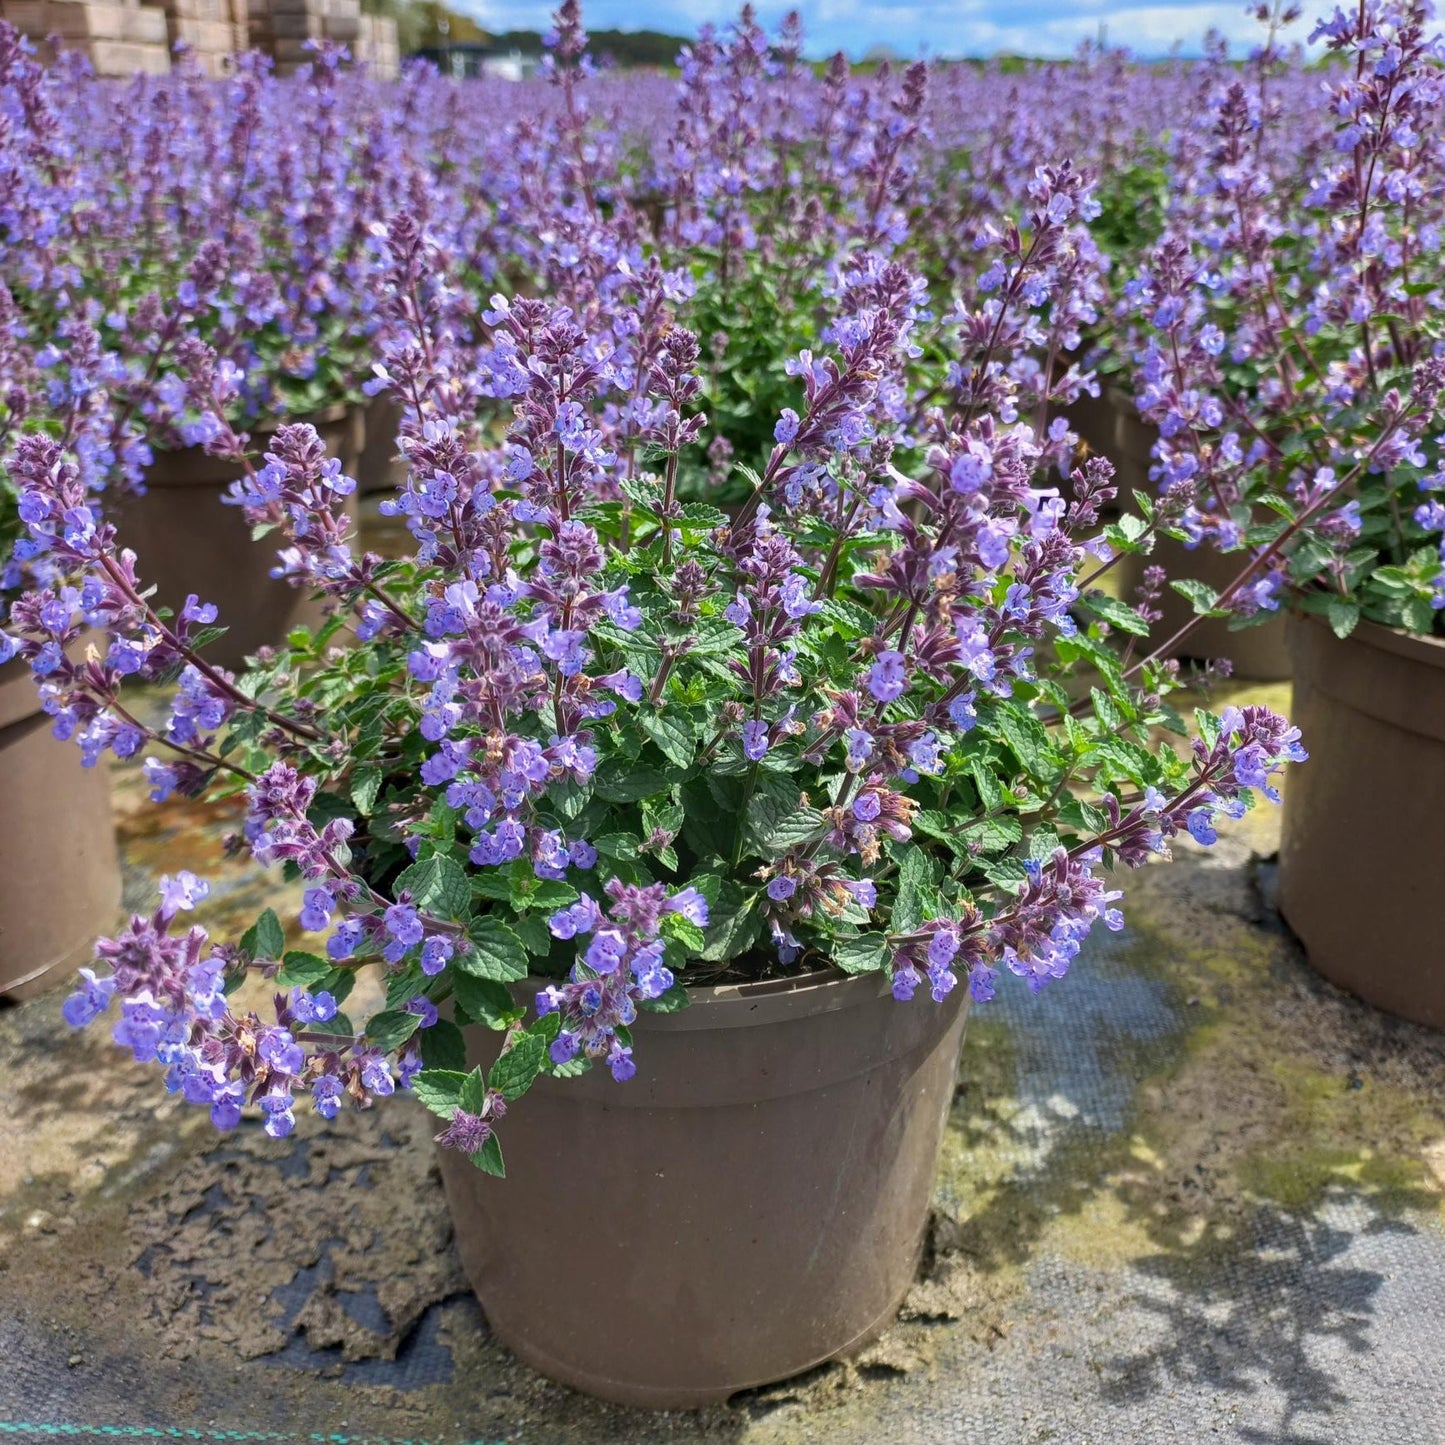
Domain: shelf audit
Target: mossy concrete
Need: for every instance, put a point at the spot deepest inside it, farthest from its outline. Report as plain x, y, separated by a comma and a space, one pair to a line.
1190, 1192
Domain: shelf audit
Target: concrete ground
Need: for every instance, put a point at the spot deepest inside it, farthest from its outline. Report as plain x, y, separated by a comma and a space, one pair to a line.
1190, 1193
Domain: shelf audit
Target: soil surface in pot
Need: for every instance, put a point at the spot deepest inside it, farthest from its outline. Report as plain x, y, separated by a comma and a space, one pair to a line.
1192, 1192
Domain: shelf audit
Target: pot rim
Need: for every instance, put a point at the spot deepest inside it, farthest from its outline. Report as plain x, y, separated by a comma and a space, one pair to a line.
266, 426
1414, 646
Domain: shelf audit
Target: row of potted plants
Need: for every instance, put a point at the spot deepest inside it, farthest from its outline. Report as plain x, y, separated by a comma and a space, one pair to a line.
753, 698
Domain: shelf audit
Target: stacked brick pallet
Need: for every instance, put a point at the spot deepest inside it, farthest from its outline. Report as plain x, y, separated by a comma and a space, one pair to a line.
118, 37
121, 37
376, 48
282, 28
214, 30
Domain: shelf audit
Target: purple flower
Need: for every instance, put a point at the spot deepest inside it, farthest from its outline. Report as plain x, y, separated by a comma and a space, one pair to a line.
886, 678
755, 740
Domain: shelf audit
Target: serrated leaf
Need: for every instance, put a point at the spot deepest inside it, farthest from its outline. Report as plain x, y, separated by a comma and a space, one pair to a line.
392, 1028
496, 952
1116, 613
1199, 596
621, 781
622, 846
473, 1097
443, 1047
365, 785
733, 925
439, 1089
439, 885
265, 938
865, 954
533, 932
1343, 616
702, 517
915, 879
776, 819
673, 737
515, 1071
485, 1001
548, 894
489, 1158
1029, 741
302, 969
683, 931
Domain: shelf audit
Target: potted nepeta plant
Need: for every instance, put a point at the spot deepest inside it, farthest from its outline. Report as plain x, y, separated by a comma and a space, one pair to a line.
176, 219
59, 873
1329, 482
1206, 373
672, 844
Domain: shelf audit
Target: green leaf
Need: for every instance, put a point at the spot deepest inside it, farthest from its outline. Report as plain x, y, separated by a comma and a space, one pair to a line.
1343, 616
733, 925
473, 1097
671, 1002
622, 846
1117, 614
439, 1089
439, 885
515, 1071
673, 737
776, 818
990, 790
392, 1028
993, 835
485, 1001
915, 880
546, 893
684, 931
496, 952
443, 1047
302, 969
1083, 816
489, 1158
1200, 597
1029, 741
865, 954
848, 619
533, 932
365, 785
940, 827
265, 937
621, 781
702, 517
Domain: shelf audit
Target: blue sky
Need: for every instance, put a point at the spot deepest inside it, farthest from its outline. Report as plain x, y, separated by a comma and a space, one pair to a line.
936, 27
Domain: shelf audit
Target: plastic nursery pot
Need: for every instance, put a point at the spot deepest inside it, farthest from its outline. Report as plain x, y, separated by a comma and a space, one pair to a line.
187, 540
59, 875
751, 1204
1111, 427
1364, 819
381, 468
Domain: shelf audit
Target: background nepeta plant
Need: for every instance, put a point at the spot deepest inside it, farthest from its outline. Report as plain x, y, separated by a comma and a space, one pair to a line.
1288, 333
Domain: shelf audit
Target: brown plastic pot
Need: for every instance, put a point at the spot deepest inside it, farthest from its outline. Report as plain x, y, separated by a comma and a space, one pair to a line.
381, 468
751, 1204
59, 875
1364, 819
1110, 426
187, 540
